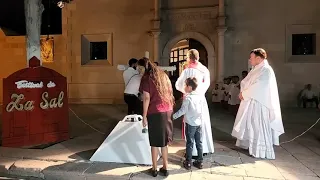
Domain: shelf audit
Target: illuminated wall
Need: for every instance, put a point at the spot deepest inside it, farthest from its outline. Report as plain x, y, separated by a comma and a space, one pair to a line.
13, 56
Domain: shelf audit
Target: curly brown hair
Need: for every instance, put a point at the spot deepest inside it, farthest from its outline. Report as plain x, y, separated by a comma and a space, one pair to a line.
161, 81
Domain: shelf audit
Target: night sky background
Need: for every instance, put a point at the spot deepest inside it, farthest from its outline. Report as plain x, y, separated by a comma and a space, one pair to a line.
12, 18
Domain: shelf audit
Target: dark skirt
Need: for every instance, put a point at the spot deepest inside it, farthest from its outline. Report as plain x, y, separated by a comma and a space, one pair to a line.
160, 129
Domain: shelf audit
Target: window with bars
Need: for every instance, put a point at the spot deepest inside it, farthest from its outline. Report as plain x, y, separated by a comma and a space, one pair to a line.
178, 54
177, 57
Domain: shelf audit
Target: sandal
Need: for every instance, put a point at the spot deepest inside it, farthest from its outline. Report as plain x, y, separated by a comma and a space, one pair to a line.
153, 172
164, 172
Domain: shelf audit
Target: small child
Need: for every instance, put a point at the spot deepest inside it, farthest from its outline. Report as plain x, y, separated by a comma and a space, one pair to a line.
225, 89
234, 92
216, 97
191, 109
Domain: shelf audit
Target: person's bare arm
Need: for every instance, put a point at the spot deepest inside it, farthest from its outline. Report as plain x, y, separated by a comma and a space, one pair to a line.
146, 102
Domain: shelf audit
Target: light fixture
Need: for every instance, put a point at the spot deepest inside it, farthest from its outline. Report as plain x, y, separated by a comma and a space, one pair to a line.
61, 3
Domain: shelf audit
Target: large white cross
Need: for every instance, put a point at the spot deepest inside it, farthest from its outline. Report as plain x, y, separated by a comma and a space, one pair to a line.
164, 68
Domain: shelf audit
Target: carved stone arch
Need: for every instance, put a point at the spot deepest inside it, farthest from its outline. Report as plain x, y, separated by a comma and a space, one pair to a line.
205, 41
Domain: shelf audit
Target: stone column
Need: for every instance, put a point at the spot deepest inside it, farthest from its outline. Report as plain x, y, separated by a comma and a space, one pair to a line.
221, 63
156, 53
221, 8
156, 31
157, 9
221, 29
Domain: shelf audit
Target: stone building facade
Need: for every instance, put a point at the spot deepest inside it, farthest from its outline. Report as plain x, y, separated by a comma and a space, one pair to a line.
228, 29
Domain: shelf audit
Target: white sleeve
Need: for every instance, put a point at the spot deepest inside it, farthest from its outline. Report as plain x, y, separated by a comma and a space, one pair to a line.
259, 86
206, 81
183, 109
180, 82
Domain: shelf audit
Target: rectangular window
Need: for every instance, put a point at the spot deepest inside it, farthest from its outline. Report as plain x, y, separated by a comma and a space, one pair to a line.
303, 44
98, 50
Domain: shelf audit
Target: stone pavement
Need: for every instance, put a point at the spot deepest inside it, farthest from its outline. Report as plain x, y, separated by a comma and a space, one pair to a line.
69, 160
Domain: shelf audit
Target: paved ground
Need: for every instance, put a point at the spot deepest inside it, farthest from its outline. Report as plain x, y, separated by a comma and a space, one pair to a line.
69, 160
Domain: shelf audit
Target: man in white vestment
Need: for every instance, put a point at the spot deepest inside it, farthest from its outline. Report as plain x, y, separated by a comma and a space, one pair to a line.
258, 124
195, 69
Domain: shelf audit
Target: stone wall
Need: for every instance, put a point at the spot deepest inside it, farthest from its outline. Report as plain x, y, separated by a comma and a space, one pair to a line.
270, 25
126, 25
177, 4
13, 56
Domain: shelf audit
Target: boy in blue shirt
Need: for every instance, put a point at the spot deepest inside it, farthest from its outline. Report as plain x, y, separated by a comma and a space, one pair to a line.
191, 109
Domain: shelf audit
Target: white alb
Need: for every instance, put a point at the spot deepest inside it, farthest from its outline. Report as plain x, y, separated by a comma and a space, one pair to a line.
258, 124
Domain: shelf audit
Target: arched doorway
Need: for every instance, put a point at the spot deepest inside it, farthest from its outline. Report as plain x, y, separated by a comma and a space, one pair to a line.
199, 37
178, 58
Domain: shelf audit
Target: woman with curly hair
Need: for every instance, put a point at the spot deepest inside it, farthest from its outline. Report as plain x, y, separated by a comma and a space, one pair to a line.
157, 110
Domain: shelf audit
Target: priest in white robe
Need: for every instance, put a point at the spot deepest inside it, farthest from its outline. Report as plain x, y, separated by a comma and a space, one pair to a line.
195, 69
258, 124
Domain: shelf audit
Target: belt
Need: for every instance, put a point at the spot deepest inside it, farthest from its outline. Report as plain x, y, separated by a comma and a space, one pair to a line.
129, 94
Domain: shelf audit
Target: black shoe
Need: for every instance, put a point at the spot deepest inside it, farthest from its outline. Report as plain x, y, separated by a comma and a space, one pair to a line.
198, 164
164, 172
153, 172
187, 165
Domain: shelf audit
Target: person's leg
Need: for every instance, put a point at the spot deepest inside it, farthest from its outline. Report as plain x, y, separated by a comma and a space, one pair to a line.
190, 130
164, 153
154, 156
140, 106
132, 103
304, 102
164, 169
136, 105
127, 101
198, 139
315, 99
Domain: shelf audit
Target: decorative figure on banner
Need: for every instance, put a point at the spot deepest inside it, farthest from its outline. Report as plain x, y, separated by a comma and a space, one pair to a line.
47, 45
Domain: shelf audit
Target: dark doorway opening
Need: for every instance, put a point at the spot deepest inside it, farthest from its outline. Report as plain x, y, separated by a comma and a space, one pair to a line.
178, 58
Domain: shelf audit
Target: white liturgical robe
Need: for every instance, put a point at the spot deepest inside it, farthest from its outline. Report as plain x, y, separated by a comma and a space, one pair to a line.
258, 124
216, 95
202, 74
226, 90
234, 94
